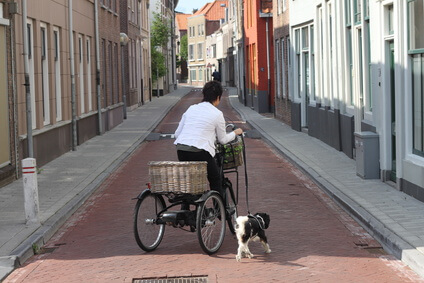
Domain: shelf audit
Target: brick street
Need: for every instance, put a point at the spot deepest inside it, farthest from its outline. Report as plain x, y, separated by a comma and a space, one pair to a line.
311, 238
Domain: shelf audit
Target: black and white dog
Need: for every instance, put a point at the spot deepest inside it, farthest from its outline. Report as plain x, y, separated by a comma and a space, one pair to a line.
248, 228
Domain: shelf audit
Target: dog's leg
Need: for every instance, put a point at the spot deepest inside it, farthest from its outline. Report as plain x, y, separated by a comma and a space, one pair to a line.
264, 242
248, 253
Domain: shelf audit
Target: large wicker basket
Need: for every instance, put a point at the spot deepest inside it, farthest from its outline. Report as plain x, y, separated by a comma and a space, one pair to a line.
178, 177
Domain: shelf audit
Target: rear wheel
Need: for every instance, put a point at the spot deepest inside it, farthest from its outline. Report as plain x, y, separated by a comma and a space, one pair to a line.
147, 232
210, 223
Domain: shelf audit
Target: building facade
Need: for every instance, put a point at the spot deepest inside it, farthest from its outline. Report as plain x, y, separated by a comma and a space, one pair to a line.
360, 72
203, 23
281, 23
166, 10
259, 50
180, 32
134, 22
64, 59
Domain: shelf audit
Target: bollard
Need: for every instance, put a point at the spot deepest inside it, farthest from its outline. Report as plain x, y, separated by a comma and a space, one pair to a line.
32, 207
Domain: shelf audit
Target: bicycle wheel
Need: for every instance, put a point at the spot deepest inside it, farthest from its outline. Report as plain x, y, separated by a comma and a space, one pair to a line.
210, 223
231, 206
147, 233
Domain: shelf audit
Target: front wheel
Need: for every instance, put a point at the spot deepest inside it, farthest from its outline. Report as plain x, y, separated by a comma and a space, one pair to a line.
210, 223
231, 206
147, 232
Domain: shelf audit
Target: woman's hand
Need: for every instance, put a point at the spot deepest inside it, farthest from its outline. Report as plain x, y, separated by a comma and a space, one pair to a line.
238, 131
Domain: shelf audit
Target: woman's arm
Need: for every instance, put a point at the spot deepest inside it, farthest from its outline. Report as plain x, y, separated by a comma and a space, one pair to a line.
222, 136
180, 126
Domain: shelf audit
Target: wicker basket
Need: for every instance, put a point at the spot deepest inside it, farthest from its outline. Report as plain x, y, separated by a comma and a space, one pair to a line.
178, 177
233, 154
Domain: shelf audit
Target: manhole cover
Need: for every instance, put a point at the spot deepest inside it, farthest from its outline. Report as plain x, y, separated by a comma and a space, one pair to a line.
185, 279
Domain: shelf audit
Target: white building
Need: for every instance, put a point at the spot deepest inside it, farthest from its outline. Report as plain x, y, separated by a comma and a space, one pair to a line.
357, 66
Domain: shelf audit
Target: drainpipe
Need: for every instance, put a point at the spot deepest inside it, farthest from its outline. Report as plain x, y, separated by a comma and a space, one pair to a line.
71, 59
243, 37
267, 62
27, 82
98, 93
15, 102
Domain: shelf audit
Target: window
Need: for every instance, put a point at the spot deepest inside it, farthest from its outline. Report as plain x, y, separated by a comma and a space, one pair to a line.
283, 67
200, 74
81, 74
57, 74
30, 34
297, 49
416, 51
200, 51
349, 59
416, 26
417, 103
193, 75
191, 52
357, 11
278, 61
88, 66
45, 75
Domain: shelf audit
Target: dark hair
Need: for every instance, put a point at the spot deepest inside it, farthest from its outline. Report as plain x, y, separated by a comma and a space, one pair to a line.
211, 91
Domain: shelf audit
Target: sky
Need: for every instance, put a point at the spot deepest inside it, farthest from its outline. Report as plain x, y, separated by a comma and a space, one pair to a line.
187, 6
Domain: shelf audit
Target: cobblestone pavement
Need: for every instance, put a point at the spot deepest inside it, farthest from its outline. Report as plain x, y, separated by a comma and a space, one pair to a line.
311, 238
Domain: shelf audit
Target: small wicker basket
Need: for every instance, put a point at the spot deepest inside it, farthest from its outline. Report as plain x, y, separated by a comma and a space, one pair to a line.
233, 154
178, 177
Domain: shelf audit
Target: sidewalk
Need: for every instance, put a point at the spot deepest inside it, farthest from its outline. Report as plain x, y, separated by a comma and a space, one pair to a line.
392, 217
66, 182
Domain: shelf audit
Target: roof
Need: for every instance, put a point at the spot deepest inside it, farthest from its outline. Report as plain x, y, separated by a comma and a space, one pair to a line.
182, 20
213, 11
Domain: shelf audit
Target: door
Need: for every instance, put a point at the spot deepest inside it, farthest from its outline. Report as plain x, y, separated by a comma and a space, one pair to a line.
392, 109
4, 113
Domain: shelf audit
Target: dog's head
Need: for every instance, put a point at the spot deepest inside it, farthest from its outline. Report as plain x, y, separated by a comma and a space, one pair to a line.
264, 217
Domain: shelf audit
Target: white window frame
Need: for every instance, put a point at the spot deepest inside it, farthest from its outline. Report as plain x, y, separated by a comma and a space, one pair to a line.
200, 51
31, 71
283, 69
57, 73
88, 70
81, 72
279, 63
45, 73
191, 52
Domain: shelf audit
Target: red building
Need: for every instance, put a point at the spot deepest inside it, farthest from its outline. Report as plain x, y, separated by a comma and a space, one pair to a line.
259, 55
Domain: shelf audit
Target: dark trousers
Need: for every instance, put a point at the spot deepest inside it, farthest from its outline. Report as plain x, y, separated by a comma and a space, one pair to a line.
214, 177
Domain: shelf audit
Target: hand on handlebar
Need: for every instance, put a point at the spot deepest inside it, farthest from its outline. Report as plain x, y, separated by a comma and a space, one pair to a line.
238, 131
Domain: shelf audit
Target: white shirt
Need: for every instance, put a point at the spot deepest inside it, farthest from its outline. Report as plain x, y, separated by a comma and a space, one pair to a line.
201, 125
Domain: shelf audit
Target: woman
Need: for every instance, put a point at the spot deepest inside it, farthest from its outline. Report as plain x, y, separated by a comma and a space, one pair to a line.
200, 126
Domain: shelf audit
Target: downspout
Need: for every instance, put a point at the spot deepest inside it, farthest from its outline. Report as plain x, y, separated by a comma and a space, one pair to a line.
15, 102
71, 59
267, 62
243, 54
27, 82
98, 93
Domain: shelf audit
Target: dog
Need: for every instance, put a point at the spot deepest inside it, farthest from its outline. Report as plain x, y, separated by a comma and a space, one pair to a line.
248, 228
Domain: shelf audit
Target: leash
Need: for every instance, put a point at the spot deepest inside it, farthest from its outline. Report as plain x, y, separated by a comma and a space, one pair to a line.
245, 176
262, 222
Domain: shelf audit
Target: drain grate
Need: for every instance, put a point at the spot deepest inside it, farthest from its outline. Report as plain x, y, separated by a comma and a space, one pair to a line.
184, 279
